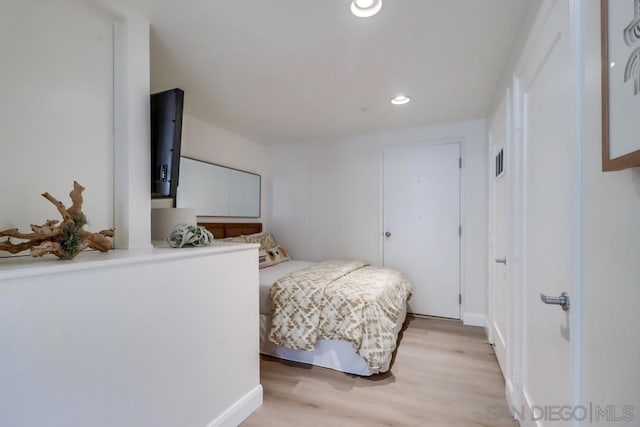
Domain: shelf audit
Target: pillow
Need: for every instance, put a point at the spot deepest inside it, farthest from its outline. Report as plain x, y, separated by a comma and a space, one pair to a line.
273, 256
265, 239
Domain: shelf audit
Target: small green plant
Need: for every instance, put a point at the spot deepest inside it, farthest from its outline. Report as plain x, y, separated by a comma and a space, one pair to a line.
184, 235
70, 238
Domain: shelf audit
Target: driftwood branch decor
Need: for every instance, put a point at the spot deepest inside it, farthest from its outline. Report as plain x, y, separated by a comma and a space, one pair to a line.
63, 239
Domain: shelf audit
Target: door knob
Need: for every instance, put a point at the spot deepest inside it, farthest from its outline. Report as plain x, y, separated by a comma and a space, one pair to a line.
562, 300
502, 260
387, 234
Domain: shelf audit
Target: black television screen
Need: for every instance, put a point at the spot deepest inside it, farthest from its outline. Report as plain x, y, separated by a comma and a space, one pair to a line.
166, 134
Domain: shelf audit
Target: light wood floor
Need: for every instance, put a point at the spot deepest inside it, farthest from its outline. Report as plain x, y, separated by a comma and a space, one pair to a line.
444, 374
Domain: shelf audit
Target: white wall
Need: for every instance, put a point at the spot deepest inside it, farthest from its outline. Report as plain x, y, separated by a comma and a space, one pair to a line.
131, 125
77, 77
56, 116
147, 338
325, 199
611, 254
506, 76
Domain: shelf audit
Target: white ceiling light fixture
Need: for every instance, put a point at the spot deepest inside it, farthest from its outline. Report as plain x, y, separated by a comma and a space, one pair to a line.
400, 100
365, 8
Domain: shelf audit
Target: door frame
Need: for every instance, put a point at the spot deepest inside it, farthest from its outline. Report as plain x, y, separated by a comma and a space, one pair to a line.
516, 346
503, 112
426, 143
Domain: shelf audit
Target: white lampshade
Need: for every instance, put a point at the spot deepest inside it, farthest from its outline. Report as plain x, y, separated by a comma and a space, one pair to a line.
163, 220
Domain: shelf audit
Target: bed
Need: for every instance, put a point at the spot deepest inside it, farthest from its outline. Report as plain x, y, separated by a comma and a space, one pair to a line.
338, 354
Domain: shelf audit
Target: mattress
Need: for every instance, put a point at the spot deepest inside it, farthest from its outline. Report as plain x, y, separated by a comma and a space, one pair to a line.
269, 275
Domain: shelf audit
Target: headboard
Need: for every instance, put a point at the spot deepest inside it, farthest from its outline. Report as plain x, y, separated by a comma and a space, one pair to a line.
221, 230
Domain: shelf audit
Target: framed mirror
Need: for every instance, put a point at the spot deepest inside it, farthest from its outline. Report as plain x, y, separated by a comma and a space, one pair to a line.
215, 190
620, 83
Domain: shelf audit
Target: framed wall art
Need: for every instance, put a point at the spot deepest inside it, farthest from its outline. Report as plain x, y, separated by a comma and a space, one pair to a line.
620, 84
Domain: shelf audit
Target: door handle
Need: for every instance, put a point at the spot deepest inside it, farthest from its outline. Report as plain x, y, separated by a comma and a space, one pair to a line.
502, 260
562, 300
387, 234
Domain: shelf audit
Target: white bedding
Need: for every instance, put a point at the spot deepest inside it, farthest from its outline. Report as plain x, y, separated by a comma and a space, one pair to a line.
333, 354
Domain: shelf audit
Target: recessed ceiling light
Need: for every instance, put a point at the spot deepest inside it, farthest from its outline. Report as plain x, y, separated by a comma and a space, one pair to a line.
365, 8
400, 100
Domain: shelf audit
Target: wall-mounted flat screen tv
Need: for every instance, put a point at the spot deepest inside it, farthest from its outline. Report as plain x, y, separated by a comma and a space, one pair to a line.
166, 135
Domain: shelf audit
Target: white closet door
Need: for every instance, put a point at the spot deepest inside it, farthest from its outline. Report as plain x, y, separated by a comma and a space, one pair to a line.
421, 224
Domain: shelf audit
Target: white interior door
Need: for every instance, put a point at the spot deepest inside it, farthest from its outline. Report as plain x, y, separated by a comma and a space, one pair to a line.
550, 216
498, 294
421, 224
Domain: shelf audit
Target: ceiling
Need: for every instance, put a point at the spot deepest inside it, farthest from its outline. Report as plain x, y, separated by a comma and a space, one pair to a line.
284, 71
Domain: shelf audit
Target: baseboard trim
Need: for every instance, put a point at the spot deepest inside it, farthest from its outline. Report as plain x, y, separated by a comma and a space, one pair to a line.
239, 411
510, 394
528, 420
474, 319
488, 330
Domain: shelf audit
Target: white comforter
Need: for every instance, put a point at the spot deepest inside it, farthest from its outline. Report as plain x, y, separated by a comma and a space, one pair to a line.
269, 275
343, 300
